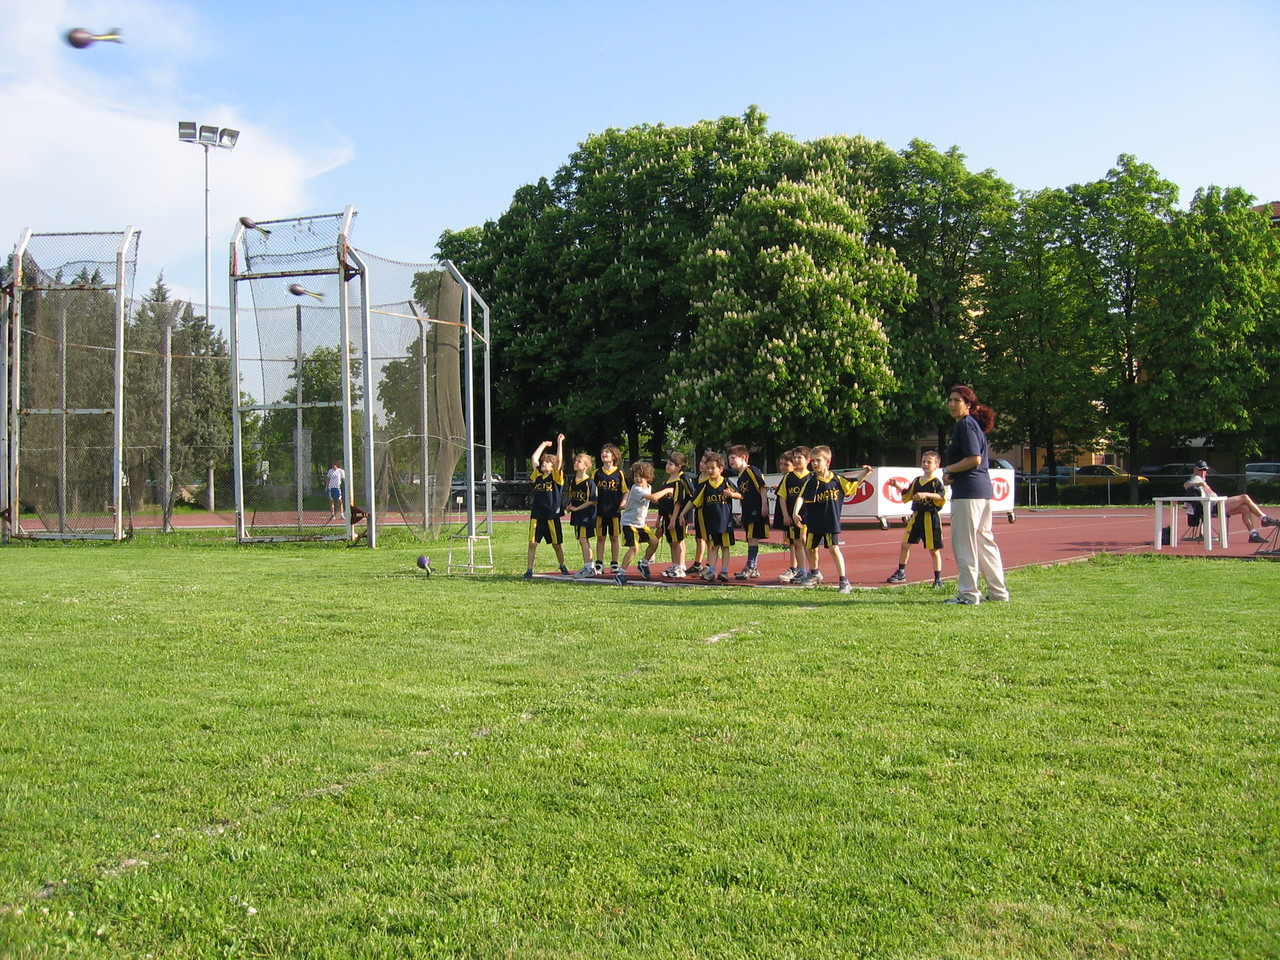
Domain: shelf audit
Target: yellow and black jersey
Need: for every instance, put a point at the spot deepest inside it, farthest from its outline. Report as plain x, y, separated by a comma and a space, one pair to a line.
546, 494
611, 486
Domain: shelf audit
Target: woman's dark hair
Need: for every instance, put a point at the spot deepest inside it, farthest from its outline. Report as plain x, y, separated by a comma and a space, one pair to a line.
985, 416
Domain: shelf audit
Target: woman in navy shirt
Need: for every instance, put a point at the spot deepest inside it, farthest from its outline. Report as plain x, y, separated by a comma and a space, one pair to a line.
967, 474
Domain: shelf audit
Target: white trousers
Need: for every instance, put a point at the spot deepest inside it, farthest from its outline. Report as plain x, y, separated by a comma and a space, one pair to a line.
976, 550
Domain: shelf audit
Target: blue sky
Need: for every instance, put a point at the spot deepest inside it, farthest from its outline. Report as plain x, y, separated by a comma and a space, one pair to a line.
428, 115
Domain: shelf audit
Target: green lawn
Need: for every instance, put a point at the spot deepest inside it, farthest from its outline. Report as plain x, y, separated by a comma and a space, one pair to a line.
308, 750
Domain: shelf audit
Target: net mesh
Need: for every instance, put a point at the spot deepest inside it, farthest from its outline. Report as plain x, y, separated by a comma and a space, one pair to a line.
415, 362
68, 334
296, 349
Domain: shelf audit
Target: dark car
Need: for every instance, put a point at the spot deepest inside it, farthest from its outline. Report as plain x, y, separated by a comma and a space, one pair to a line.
1183, 470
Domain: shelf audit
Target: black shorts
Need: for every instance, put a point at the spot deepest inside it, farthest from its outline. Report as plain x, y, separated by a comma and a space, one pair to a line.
584, 531
720, 539
608, 526
924, 527
545, 531
755, 530
816, 538
633, 535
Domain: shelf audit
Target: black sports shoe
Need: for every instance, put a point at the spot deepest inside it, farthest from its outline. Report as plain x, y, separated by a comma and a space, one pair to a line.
620, 578
528, 575
723, 578
1268, 522
898, 576
644, 568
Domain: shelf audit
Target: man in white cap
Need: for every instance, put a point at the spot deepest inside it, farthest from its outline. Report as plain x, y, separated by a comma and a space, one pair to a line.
1241, 505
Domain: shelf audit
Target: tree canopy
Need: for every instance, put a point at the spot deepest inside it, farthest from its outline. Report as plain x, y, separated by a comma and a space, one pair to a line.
722, 282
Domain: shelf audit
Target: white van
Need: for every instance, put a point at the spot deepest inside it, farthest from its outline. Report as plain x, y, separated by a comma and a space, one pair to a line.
1262, 472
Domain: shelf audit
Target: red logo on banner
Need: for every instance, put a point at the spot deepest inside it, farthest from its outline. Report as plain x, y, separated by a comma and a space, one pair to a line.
889, 491
999, 488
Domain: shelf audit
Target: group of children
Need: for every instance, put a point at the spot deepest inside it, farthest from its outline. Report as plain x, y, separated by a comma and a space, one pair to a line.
602, 505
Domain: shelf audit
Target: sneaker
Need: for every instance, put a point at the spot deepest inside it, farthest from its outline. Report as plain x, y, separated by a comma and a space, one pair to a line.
805, 580
962, 599
786, 576
620, 578
1268, 522
587, 571
898, 576
937, 583
1256, 537
564, 571
614, 568
598, 568
815, 576
694, 569
679, 574
844, 586
644, 568
747, 573
988, 598
707, 574
528, 575
723, 578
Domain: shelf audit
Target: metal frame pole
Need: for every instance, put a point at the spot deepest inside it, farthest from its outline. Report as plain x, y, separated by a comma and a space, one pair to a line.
117, 453
366, 346
348, 454
13, 502
237, 437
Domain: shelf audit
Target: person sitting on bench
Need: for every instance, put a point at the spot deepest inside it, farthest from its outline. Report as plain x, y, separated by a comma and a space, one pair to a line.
1241, 505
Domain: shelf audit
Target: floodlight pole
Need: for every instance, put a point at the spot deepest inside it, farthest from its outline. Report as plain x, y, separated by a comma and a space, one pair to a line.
207, 137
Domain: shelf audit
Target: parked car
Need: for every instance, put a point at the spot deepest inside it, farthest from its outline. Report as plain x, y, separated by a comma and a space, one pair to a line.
1262, 472
1063, 473
1183, 470
1104, 473
997, 463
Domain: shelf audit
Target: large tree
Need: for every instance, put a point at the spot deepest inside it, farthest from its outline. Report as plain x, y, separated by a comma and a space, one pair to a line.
1116, 228
1039, 365
1209, 348
789, 300
933, 211
589, 273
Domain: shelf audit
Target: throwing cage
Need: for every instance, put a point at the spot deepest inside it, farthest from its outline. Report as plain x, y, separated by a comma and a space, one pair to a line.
65, 465
340, 357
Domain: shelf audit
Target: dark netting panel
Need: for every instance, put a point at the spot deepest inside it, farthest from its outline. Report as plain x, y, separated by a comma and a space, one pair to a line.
296, 349
350, 359
416, 335
177, 362
70, 292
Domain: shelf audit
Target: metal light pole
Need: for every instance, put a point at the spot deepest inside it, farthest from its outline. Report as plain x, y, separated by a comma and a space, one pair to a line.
207, 137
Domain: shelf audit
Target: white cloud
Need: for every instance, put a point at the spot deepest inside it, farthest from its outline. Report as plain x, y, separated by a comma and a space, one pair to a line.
92, 141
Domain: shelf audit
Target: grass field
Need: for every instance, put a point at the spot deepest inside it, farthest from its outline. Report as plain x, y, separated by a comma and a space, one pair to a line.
308, 750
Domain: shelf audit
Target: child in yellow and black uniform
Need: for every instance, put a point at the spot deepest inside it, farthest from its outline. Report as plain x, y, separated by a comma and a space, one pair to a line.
671, 510
789, 490
926, 494
582, 509
823, 500
755, 508
714, 516
544, 517
611, 486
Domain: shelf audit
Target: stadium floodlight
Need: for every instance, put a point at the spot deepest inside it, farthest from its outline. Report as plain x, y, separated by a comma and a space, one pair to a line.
208, 137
